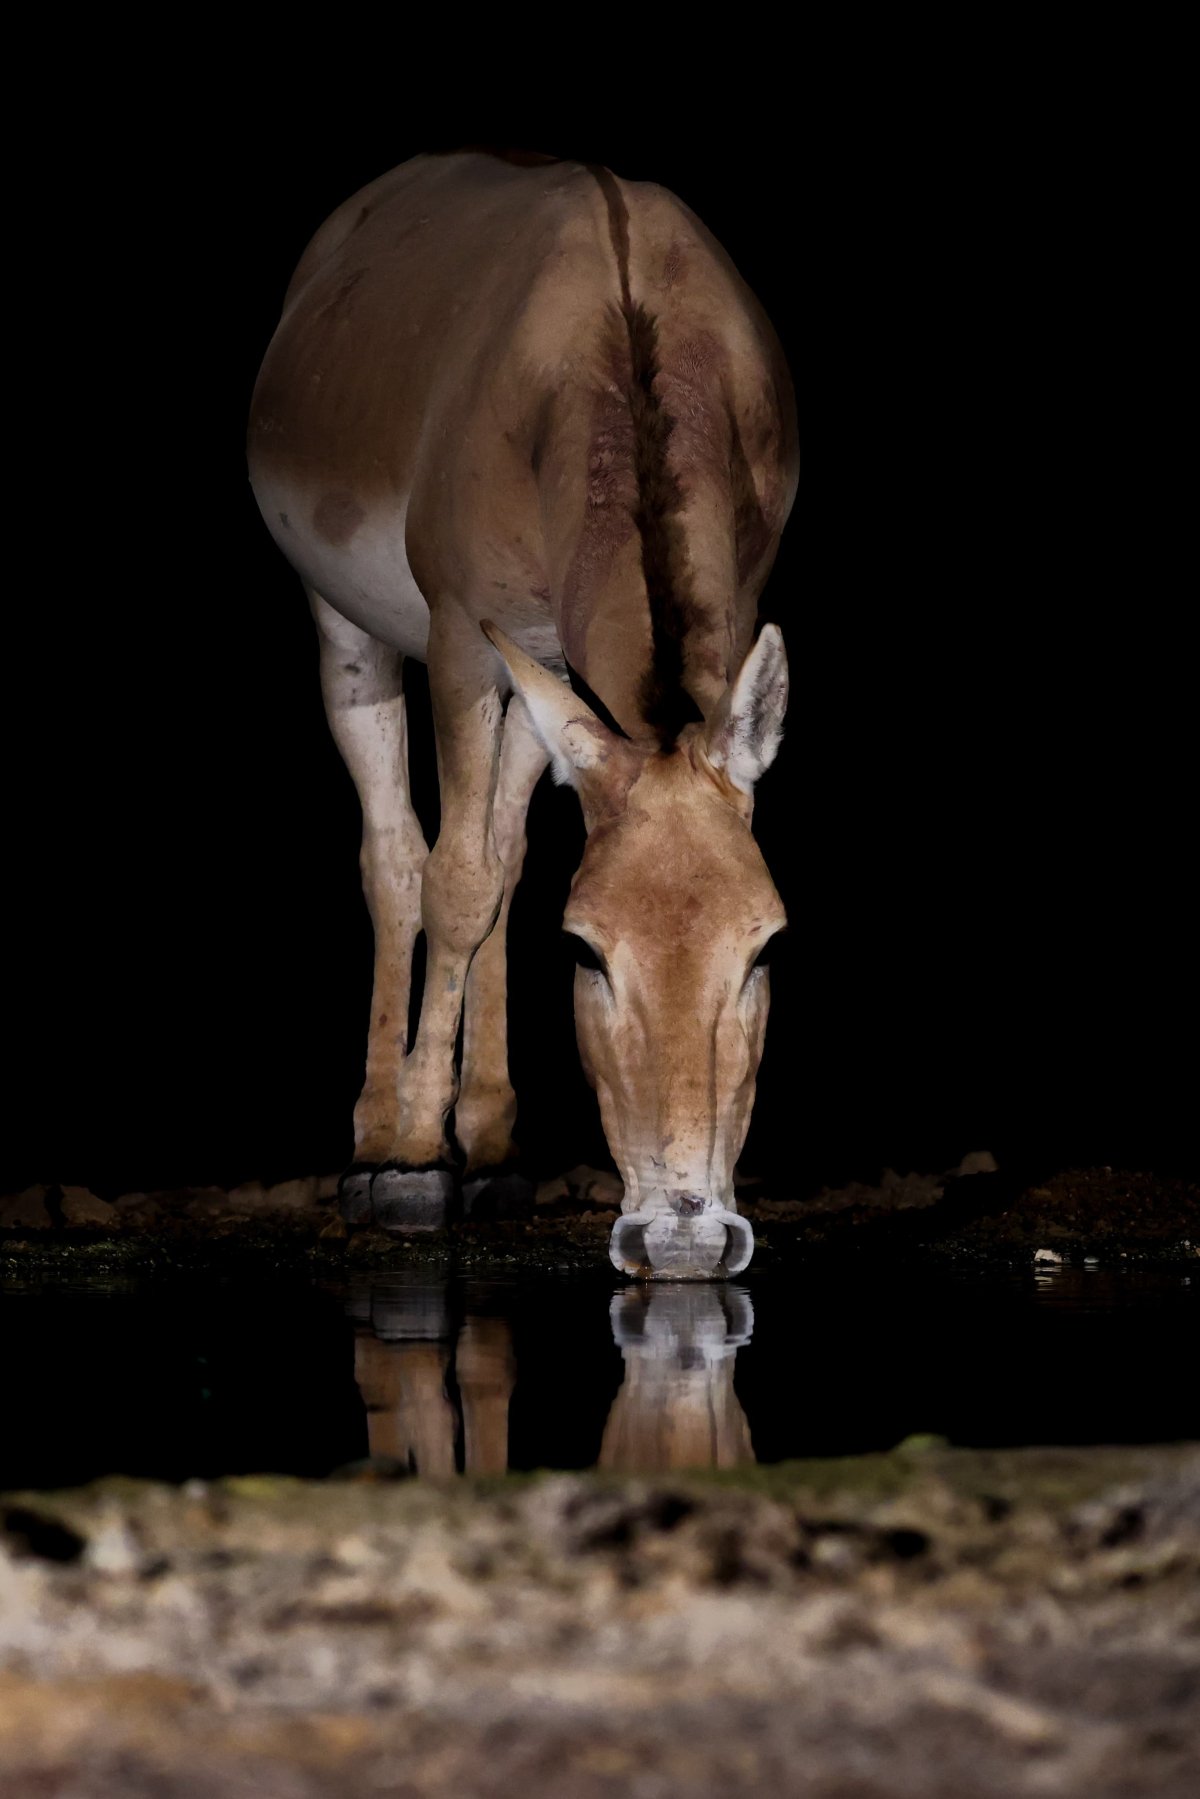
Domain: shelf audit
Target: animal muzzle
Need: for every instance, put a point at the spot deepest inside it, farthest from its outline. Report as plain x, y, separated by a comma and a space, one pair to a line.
692, 1241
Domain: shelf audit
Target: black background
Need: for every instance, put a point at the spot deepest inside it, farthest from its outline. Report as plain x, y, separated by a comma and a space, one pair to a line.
981, 820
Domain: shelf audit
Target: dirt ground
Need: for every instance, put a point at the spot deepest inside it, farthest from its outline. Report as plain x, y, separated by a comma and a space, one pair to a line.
937, 1624
971, 1214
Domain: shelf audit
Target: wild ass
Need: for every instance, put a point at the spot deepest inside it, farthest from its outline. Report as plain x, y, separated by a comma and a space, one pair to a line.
523, 420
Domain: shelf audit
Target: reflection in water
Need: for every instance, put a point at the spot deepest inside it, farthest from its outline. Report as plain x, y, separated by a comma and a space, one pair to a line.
677, 1407
419, 1369
402, 1364
264, 1380
401, 1358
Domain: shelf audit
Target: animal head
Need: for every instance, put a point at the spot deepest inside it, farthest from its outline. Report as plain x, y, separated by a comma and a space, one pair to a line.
672, 912
677, 1407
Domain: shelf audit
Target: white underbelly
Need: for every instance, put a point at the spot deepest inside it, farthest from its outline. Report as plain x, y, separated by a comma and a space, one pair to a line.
367, 578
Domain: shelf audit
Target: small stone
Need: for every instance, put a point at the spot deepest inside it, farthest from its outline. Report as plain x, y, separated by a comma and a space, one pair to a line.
248, 1197
977, 1161
204, 1202
114, 1549
1050, 1256
594, 1186
293, 1196
140, 1209
834, 1555
606, 1191
25, 1211
335, 1231
82, 1209
354, 1551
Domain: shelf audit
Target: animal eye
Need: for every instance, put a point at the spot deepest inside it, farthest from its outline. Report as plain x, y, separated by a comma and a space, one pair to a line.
585, 955
768, 953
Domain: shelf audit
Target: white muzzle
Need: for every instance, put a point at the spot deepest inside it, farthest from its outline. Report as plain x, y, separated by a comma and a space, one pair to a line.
670, 1245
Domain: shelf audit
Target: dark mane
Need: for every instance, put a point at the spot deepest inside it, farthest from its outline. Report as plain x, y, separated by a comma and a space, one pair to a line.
665, 703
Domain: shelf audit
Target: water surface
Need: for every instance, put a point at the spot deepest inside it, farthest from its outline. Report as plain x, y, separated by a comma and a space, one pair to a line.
179, 1377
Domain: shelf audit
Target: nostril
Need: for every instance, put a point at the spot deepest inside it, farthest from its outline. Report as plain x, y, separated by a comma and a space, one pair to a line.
687, 1204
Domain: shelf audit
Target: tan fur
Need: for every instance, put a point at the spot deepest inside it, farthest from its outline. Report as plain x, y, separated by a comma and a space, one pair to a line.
410, 1416
673, 1039
538, 395
449, 335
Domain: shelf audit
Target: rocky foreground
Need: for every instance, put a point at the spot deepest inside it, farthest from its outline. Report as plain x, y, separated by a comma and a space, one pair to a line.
935, 1623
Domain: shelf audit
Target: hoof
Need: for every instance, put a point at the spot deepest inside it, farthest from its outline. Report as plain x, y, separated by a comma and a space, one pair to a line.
497, 1193
412, 1199
354, 1194
406, 1306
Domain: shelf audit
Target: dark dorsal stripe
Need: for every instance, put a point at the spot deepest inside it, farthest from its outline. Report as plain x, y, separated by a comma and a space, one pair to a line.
664, 702
582, 691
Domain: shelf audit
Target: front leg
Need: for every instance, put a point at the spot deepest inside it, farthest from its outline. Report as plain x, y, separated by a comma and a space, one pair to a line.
410, 1419
486, 1106
361, 680
484, 1372
461, 893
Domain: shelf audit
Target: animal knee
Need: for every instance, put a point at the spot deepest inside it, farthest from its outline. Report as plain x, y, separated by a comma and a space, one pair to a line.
512, 856
461, 894
397, 848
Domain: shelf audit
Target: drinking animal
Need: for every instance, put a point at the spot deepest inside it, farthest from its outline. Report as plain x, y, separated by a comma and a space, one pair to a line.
523, 420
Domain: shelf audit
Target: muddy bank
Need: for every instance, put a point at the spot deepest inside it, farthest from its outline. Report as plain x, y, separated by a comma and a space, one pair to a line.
976, 1215
929, 1623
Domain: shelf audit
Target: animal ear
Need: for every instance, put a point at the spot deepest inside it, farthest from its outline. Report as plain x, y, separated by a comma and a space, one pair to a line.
584, 753
745, 731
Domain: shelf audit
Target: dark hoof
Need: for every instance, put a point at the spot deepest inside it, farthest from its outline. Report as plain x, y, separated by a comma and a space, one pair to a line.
497, 1193
354, 1194
412, 1199
410, 1308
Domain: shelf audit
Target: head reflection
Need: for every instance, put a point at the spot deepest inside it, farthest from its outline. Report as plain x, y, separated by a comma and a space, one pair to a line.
677, 1407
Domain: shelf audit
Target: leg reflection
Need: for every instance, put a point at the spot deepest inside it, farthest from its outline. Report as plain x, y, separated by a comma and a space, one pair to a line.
402, 1349
485, 1371
677, 1407
401, 1357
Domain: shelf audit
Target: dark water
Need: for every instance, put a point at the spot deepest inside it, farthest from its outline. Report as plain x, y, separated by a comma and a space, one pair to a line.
179, 1378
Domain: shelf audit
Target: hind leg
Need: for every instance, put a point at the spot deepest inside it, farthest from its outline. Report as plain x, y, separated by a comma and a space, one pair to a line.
364, 702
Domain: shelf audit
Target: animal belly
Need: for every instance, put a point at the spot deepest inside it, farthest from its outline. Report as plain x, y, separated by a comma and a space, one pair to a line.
354, 559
